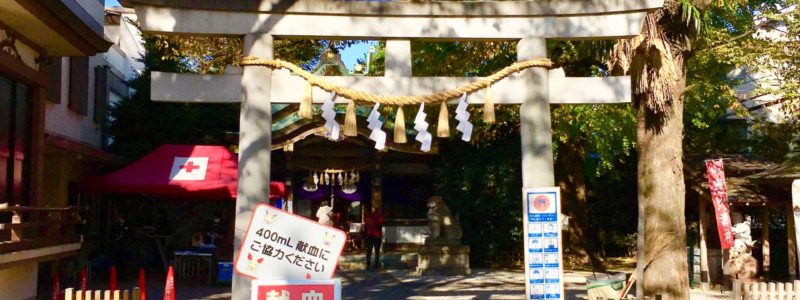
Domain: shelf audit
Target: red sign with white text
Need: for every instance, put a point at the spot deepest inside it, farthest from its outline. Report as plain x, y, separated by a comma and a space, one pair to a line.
719, 196
296, 290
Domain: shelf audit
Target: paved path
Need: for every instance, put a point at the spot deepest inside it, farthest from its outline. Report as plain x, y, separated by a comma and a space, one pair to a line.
401, 284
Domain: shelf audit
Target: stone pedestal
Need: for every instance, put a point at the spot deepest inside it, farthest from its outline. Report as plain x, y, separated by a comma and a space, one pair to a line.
443, 260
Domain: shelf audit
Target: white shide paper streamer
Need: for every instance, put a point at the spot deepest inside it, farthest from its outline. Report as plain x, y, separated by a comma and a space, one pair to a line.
462, 115
374, 123
421, 126
329, 114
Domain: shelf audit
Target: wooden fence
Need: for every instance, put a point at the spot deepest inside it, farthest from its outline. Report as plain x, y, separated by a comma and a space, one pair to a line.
26, 228
766, 291
71, 294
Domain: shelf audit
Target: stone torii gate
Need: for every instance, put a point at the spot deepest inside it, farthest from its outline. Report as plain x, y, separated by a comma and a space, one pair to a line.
530, 23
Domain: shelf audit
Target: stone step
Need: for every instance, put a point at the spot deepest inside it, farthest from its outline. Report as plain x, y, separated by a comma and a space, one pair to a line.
390, 260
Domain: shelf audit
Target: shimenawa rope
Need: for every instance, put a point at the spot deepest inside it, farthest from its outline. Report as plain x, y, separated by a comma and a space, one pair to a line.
357, 95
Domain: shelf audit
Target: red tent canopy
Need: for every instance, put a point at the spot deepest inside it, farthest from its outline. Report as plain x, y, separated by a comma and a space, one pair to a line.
208, 172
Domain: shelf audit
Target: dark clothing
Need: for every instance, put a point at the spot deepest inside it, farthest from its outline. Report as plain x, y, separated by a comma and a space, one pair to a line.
374, 233
373, 243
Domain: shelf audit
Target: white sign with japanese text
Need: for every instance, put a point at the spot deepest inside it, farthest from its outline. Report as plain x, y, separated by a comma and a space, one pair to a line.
281, 245
542, 226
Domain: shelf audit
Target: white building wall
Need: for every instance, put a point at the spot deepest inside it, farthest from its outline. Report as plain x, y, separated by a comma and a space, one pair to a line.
760, 105
62, 121
122, 57
757, 78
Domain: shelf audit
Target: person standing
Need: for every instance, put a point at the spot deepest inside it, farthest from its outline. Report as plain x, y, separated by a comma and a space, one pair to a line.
374, 234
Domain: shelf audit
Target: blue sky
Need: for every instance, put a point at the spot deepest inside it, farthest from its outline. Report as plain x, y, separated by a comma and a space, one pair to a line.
349, 55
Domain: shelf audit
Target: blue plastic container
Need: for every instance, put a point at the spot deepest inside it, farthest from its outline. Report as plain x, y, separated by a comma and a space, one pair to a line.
224, 272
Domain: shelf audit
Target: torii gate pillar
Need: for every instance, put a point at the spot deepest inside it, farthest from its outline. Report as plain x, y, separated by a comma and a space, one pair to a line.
255, 138
535, 131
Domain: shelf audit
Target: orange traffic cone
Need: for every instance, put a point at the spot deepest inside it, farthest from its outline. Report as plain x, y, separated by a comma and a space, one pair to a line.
112, 282
84, 283
142, 287
169, 286
56, 287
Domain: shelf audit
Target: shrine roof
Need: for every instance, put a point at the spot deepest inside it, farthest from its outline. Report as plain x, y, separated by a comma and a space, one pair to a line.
741, 190
782, 174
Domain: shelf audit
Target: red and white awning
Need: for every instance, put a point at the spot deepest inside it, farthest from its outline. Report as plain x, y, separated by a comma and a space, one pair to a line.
198, 171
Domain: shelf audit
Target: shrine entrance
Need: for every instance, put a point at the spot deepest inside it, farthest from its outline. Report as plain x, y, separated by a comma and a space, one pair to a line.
351, 176
263, 81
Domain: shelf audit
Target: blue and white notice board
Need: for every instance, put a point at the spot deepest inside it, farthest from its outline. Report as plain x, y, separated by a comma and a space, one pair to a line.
543, 259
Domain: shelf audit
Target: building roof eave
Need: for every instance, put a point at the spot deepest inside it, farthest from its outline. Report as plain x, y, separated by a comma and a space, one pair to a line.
72, 22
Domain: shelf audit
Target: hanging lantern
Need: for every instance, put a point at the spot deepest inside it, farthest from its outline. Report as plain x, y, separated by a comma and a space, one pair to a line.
310, 185
349, 189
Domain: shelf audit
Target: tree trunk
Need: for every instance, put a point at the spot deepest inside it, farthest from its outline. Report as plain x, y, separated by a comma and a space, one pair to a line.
661, 189
657, 63
661, 194
581, 240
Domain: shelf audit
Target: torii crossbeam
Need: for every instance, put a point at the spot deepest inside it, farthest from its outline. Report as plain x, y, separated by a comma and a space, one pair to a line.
530, 23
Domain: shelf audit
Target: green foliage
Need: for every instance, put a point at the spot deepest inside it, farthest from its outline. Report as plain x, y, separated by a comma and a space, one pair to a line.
608, 131
377, 64
710, 112
691, 14
761, 39
482, 185
479, 180
613, 193
601, 139
140, 125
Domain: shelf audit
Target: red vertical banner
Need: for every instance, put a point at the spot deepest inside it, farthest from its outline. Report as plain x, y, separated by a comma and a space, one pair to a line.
719, 196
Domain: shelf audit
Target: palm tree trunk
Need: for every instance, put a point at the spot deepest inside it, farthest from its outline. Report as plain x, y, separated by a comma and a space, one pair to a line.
656, 60
661, 194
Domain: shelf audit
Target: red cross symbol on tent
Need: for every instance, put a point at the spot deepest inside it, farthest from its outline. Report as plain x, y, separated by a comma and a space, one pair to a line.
189, 168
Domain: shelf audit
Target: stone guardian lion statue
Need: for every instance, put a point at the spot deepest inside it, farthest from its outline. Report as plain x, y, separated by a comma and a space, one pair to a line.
445, 228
